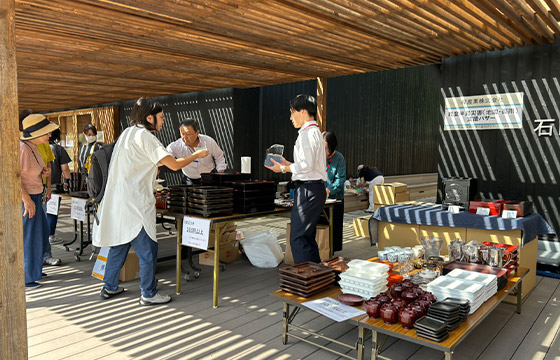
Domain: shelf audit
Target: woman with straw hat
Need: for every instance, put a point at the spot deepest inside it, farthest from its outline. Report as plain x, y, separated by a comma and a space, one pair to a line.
36, 130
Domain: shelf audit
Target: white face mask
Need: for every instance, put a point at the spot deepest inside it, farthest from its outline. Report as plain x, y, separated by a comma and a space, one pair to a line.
91, 139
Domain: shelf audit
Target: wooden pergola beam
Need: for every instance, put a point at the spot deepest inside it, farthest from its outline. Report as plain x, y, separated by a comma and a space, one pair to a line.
13, 323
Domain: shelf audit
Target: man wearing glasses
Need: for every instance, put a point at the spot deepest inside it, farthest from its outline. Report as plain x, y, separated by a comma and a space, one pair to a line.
192, 140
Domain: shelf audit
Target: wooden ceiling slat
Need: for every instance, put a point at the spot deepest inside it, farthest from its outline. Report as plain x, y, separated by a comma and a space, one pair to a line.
538, 7
460, 26
390, 28
488, 20
530, 16
75, 53
554, 6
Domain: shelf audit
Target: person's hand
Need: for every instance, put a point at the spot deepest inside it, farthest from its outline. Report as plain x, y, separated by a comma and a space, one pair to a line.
285, 162
201, 153
46, 171
49, 193
276, 166
328, 192
29, 206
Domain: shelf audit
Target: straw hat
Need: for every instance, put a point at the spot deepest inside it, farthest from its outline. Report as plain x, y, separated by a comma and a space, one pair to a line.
35, 126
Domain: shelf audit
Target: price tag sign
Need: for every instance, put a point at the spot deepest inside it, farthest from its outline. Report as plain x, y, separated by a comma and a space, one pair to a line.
454, 209
483, 211
52, 205
196, 232
78, 210
509, 214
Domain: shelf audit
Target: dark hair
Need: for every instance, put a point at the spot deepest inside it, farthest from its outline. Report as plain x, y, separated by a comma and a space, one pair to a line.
304, 102
22, 115
330, 138
89, 127
191, 122
348, 177
55, 136
143, 108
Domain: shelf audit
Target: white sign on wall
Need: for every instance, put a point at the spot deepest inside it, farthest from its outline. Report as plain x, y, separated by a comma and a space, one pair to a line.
196, 232
483, 112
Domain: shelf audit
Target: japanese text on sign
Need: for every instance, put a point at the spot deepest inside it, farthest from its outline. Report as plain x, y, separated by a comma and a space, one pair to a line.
52, 205
495, 111
78, 210
196, 232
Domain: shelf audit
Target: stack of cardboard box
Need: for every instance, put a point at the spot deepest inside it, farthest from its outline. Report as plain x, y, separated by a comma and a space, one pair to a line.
229, 245
390, 194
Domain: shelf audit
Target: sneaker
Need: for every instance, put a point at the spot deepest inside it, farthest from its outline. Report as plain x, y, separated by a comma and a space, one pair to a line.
370, 211
54, 240
52, 261
107, 294
32, 285
157, 299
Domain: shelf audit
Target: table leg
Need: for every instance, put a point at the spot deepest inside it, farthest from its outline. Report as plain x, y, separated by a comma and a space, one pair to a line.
360, 344
217, 239
448, 355
374, 348
179, 226
331, 229
519, 292
285, 323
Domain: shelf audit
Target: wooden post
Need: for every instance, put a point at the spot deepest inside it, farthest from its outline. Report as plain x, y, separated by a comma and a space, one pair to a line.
13, 327
322, 103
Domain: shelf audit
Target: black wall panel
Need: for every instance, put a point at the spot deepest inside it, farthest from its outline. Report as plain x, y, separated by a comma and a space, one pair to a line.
516, 163
387, 119
212, 109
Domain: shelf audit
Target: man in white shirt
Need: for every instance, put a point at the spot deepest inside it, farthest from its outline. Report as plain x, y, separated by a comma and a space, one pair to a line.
191, 140
309, 175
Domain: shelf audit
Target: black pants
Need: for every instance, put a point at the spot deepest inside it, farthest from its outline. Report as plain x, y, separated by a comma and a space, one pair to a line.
309, 200
188, 181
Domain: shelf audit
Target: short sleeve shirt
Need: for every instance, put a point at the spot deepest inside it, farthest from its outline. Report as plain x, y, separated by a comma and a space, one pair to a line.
61, 157
129, 202
31, 166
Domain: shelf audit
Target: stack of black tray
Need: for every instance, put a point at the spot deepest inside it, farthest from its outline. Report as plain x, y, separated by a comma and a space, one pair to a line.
178, 199
253, 196
210, 200
219, 179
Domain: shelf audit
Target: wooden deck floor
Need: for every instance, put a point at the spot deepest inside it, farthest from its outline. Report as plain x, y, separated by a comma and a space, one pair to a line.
67, 319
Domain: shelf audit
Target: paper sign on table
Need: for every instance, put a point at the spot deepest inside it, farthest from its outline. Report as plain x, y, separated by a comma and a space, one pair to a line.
483, 211
509, 214
52, 205
333, 309
196, 232
454, 209
78, 210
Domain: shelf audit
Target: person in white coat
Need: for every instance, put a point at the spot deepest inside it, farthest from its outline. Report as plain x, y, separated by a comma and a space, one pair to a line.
127, 213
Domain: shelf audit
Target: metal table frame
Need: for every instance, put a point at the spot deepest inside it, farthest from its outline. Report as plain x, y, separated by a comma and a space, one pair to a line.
289, 314
513, 287
363, 323
222, 221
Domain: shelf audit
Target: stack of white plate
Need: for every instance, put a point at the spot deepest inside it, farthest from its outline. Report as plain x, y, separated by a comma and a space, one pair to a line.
457, 288
490, 281
364, 278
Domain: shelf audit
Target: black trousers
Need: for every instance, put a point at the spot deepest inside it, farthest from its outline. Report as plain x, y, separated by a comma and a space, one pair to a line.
309, 200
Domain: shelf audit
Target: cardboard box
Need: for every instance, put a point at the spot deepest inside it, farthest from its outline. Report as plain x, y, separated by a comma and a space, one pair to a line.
130, 270
131, 267
361, 226
229, 252
397, 234
322, 239
387, 193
